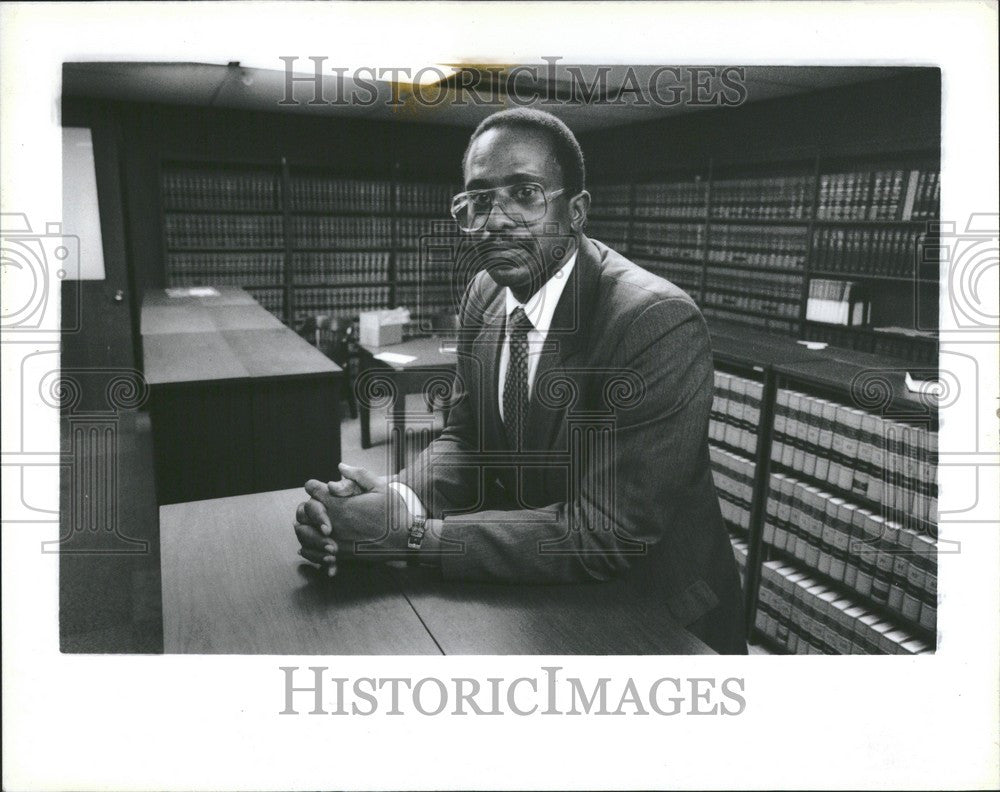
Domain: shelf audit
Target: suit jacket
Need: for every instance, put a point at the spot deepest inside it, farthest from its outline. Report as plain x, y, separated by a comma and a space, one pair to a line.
614, 476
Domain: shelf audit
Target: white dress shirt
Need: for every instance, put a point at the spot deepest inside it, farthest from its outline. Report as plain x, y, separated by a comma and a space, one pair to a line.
540, 308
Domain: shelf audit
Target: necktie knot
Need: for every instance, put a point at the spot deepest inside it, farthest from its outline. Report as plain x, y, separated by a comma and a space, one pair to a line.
519, 322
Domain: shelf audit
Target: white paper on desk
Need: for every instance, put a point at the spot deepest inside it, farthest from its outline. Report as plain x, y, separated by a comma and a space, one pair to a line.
194, 291
394, 357
924, 387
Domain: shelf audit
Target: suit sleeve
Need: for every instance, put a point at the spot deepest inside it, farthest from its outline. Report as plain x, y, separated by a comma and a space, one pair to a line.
626, 496
450, 482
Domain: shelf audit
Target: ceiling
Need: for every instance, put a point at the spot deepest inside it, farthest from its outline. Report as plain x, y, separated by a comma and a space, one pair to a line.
263, 89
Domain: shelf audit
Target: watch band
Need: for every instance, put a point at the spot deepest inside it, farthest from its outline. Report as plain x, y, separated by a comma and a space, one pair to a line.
418, 527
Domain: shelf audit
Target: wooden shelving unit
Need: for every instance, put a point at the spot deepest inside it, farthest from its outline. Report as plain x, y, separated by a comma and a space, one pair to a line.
862, 219
332, 243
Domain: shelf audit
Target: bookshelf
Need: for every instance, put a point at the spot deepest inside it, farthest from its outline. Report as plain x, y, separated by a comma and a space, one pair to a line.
222, 226
827, 478
305, 240
752, 242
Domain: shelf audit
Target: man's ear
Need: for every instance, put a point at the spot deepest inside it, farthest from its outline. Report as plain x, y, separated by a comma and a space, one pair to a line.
578, 208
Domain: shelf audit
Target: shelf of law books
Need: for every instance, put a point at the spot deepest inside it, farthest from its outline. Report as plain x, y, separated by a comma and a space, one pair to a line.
757, 247
874, 243
849, 534
341, 240
426, 241
763, 244
733, 442
669, 232
610, 215
222, 226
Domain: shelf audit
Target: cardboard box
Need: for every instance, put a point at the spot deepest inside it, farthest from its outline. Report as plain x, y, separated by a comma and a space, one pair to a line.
382, 328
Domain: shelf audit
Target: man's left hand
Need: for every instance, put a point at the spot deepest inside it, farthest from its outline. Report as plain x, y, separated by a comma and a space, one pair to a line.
371, 526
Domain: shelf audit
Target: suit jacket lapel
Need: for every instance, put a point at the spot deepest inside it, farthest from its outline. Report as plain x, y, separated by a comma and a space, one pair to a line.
567, 336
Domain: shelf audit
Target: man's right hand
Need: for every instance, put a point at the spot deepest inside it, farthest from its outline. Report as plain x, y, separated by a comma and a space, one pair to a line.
312, 526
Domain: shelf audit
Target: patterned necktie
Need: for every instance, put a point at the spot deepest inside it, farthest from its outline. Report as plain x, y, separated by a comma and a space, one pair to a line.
515, 388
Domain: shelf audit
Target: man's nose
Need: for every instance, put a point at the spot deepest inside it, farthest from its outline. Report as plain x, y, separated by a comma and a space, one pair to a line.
499, 221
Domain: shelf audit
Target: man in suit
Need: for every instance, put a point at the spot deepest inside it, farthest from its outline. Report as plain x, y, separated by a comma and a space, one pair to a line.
577, 446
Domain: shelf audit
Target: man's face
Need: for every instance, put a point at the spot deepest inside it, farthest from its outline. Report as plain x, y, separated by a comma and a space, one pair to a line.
518, 254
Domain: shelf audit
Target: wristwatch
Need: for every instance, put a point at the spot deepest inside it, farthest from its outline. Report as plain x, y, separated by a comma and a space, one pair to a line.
418, 527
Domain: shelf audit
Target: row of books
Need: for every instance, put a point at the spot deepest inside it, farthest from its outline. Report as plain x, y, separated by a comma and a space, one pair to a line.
803, 616
687, 276
321, 194
222, 279
878, 195
782, 285
340, 299
222, 231
272, 299
885, 462
838, 302
738, 397
613, 233
869, 251
194, 190
773, 323
225, 269
672, 199
916, 349
341, 268
735, 412
416, 233
769, 198
611, 200
880, 560
738, 302
342, 232
734, 478
768, 247
423, 198
424, 266
649, 234
426, 300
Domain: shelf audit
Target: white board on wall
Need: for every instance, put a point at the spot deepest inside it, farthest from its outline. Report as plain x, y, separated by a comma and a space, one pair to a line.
81, 217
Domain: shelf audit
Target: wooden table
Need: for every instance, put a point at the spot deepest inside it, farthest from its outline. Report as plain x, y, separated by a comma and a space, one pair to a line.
433, 357
236, 410
230, 309
233, 583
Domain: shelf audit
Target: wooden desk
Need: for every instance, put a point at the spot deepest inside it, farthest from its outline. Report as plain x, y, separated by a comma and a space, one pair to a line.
238, 411
231, 584
599, 618
231, 309
430, 362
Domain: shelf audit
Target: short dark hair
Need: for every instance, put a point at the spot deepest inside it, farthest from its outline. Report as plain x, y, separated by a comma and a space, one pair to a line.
569, 155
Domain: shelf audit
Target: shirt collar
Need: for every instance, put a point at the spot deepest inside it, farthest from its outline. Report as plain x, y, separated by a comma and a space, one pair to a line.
541, 306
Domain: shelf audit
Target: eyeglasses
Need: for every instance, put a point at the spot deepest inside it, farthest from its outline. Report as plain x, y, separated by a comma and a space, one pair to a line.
526, 202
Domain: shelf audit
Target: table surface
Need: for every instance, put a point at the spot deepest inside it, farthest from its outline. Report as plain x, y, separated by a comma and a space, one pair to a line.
233, 583
231, 355
746, 346
231, 309
223, 337
429, 351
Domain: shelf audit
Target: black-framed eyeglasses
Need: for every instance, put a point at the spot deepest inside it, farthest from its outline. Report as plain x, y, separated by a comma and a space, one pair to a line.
525, 202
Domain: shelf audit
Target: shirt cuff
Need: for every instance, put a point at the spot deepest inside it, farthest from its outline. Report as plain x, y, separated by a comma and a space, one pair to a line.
413, 504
